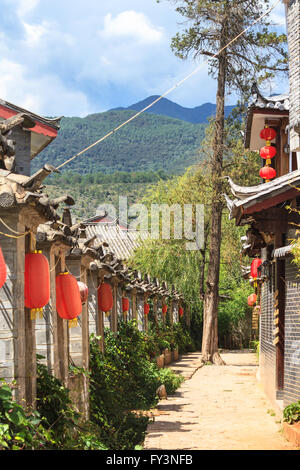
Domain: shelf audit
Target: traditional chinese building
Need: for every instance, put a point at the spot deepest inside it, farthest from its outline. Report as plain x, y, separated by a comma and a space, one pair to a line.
271, 213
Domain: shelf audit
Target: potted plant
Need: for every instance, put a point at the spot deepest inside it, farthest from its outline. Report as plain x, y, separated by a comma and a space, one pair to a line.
291, 423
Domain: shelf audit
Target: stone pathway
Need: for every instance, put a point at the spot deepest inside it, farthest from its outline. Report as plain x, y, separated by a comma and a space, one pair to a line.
216, 408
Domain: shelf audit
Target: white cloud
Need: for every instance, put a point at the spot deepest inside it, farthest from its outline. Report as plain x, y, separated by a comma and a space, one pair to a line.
34, 33
277, 19
25, 6
131, 24
45, 94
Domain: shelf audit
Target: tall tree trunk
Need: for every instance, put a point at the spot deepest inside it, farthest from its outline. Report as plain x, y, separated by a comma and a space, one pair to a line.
210, 320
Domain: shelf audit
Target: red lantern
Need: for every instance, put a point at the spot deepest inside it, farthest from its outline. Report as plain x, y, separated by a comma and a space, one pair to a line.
68, 299
105, 297
3, 272
267, 173
146, 309
252, 300
125, 304
267, 152
164, 309
254, 267
84, 291
37, 281
181, 312
268, 134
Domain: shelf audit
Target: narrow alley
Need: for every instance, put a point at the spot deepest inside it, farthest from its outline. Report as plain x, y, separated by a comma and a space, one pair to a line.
218, 408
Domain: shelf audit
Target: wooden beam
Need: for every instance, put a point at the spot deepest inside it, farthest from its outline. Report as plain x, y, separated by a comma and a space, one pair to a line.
85, 325
133, 302
155, 309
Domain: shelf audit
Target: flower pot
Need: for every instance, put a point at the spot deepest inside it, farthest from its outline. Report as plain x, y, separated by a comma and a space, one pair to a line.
168, 356
160, 361
292, 433
175, 354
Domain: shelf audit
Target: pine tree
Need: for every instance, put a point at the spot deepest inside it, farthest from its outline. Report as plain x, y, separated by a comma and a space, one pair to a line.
257, 55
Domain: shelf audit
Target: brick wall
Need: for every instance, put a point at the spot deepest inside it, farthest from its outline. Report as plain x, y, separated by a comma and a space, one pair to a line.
293, 21
267, 359
292, 335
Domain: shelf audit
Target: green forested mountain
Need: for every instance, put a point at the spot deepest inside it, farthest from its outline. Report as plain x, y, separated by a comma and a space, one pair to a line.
150, 142
166, 107
92, 190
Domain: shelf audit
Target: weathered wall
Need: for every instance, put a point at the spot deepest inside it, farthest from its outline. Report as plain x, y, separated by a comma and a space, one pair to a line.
23, 150
92, 283
292, 335
44, 327
267, 355
12, 312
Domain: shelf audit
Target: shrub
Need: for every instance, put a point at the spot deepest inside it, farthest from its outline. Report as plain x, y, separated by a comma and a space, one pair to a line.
291, 413
54, 404
123, 381
170, 380
20, 430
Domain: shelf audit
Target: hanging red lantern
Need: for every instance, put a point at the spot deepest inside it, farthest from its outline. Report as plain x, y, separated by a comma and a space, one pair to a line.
68, 299
125, 305
181, 312
268, 134
84, 291
267, 173
3, 271
267, 152
36, 282
105, 297
252, 300
146, 309
164, 309
254, 267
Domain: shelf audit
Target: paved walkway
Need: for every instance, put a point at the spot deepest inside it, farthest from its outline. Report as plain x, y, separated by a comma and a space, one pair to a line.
217, 407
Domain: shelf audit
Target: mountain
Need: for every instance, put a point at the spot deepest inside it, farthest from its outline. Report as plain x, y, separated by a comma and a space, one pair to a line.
151, 142
165, 107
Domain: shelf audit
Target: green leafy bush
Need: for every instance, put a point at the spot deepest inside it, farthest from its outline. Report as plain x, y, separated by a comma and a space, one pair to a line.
20, 430
54, 404
124, 381
60, 418
291, 413
170, 380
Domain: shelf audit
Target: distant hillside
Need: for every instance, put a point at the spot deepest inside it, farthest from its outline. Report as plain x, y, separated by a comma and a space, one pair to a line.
165, 107
151, 142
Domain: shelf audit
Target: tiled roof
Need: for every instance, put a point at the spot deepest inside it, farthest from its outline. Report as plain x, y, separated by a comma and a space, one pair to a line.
273, 105
280, 102
122, 242
250, 196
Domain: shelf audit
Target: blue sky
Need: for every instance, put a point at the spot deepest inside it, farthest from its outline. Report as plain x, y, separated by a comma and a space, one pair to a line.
77, 57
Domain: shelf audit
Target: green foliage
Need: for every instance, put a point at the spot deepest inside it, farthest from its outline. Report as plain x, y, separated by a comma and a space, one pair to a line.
256, 55
234, 319
149, 143
20, 430
123, 381
291, 413
59, 417
54, 404
255, 345
170, 380
165, 336
92, 190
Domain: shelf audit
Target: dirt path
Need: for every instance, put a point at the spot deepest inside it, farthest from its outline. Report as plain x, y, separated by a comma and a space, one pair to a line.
217, 408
